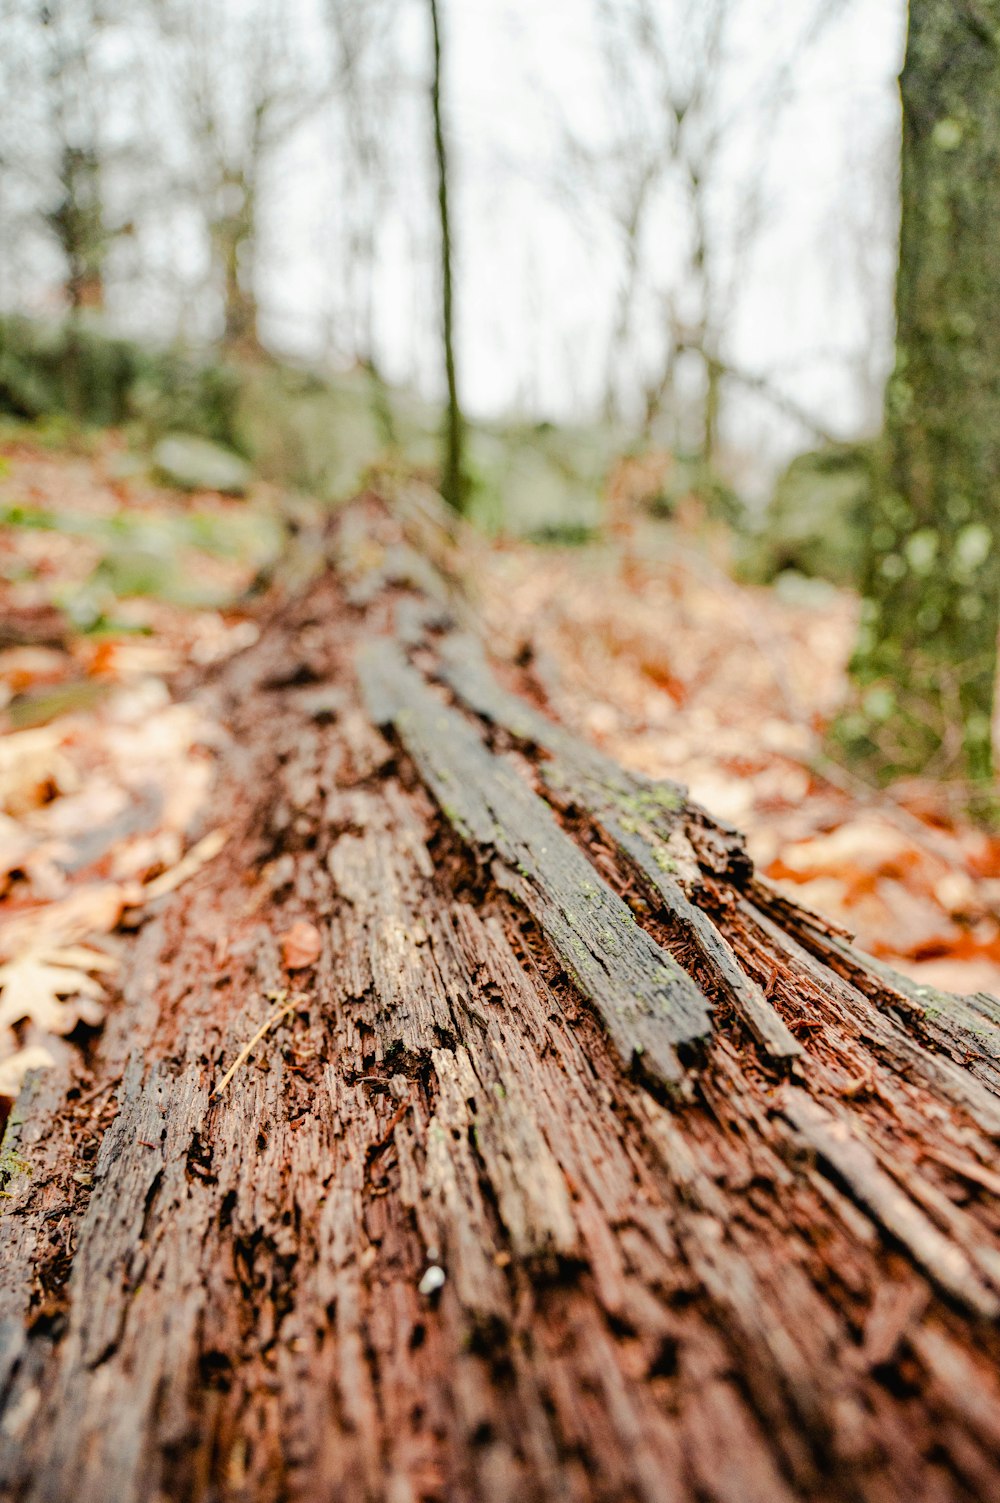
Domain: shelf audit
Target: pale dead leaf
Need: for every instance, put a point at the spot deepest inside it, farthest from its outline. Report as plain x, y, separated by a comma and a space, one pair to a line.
93, 909
197, 857
97, 802
16, 844
215, 640
145, 854
957, 892
301, 945
726, 797
25, 667
133, 659
32, 766
52, 988
43, 873
865, 844
15, 1067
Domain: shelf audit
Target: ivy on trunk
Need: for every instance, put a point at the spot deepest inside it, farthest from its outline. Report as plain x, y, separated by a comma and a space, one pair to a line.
925, 662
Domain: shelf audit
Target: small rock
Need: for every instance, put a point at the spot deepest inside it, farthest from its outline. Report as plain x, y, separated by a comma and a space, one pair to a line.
195, 464
432, 1281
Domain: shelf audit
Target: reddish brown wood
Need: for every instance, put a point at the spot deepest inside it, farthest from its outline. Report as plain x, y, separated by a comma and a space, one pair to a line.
446, 1235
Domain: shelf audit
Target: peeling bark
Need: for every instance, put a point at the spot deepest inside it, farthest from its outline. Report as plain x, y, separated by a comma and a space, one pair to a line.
585, 1166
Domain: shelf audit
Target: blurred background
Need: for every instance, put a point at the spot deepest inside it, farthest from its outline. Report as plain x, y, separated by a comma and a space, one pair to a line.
671, 218
668, 236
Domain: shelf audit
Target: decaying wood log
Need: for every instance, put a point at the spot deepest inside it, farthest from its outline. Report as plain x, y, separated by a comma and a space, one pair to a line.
584, 1165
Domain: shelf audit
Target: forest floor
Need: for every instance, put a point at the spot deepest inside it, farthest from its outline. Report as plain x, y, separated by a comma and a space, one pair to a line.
644, 644
468, 1122
653, 652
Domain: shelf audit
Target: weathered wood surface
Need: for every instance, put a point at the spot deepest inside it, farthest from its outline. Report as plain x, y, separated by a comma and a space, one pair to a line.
585, 1166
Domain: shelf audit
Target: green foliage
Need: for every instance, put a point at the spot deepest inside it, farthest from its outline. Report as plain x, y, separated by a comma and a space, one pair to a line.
324, 434
144, 553
75, 371
192, 463
815, 522
537, 480
688, 475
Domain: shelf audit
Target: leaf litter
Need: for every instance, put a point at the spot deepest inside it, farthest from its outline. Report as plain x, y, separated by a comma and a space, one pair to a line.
641, 642
648, 647
105, 779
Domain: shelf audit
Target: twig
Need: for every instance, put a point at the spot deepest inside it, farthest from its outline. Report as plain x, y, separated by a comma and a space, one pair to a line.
101, 1091
274, 1016
210, 845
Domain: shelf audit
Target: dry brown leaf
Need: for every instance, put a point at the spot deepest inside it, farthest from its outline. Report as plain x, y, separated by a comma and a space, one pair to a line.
865, 845
24, 667
96, 803
129, 659
301, 945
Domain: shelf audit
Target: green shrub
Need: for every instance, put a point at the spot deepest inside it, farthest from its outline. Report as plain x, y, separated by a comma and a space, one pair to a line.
63, 369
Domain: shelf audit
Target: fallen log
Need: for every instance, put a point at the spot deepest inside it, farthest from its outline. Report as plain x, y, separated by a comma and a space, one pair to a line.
583, 1165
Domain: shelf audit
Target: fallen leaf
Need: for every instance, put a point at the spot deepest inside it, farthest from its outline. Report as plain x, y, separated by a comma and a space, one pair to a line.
196, 858
32, 767
23, 667
15, 1067
146, 854
93, 909
120, 660
16, 844
52, 988
301, 945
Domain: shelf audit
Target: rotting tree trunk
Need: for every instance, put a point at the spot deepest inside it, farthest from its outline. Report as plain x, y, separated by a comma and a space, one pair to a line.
927, 652
584, 1167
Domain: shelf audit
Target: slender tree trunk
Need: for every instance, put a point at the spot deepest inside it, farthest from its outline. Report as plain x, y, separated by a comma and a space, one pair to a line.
708, 459
453, 478
926, 656
233, 237
581, 1168
77, 224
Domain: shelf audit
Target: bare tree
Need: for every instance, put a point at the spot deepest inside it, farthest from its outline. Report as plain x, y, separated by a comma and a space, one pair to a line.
61, 61
366, 84
687, 189
453, 482
243, 85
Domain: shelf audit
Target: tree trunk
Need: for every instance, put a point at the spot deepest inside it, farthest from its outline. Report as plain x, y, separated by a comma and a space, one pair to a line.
233, 240
77, 224
926, 657
453, 480
583, 1166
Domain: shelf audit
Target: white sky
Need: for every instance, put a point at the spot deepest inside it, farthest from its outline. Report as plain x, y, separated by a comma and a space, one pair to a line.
539, 262
537, 280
